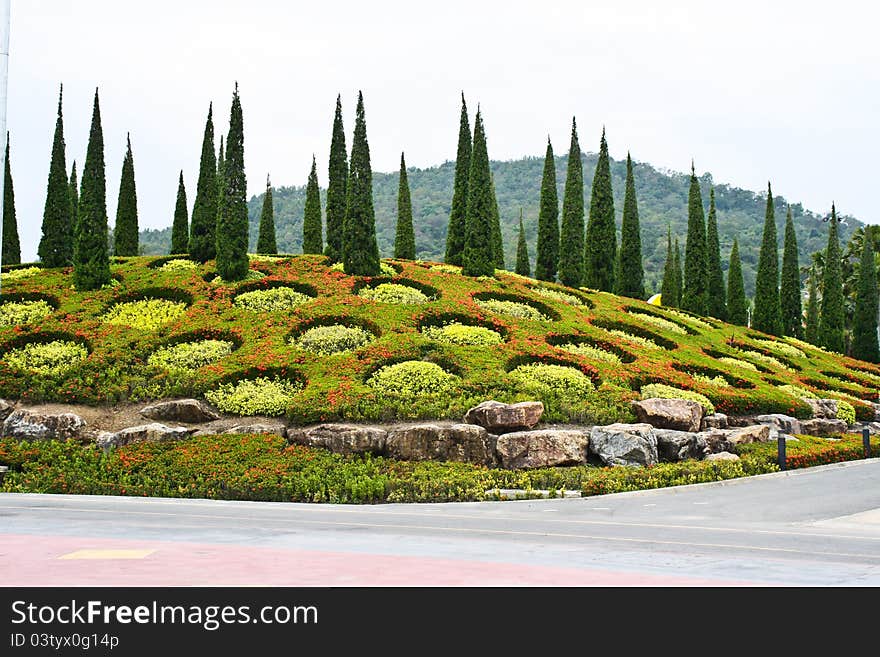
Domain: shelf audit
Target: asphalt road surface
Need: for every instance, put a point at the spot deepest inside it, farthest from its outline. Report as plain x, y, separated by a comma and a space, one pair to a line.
816, 527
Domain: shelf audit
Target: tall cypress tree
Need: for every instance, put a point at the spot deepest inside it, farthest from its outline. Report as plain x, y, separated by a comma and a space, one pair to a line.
630, 278
180, 227
221, 161
458, 212
523, 268
695, 283
266, 237
737, 305
678, 287
831, 312
202, 237
478, 255
336, 187
11, 245
56, 244
601, 246
811, 328
864, 327
497, 241
571, 240
405, 238
547, 259
716, 302
74, 198
91, 264
313, 241
790, 284
232, 215
125, 233
768, 316
360, 251
667, 287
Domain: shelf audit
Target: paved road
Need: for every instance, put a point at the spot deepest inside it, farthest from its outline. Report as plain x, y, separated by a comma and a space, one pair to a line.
817, 527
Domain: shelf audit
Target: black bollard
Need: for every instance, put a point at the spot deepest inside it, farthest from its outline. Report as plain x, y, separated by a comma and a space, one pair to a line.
866, 442
780, 448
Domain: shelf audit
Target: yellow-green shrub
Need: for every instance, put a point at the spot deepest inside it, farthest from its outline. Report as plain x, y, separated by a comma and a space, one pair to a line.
16, 313
461, 334
512, 308
394, 293
384, 268
797, 391
18, 274
560, 379
588, 350
259, 396
179, 264
639, 340
48, 357
664, 391
146, 314
557, 295
189, 356
660, 323
785, 350
717, 381
764, 359
412, 379
271, 300
846, 412
333, 339
736, 362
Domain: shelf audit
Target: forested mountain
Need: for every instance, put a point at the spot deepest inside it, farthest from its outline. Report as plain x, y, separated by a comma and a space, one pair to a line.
662, 198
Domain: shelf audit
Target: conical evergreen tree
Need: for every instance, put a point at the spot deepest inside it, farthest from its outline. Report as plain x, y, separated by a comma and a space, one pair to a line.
336, 187
737, 304
11, 245
180, 227
221, 160
630, 278
458, 212
831, 310
571, 240
478, 256
313, 241
678, 287
695, 283
790, 284
547, 259
360, 251
601, 245
125, 233
667, 287
232, 215
716, 301
56, 244
811, 328
91, 264
74, 198
266, 237
405, 238
523, 268
768, 316
497, 241
864, 327
202, 237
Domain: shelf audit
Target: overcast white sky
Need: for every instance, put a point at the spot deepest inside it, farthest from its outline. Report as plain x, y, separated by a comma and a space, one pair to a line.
785, 91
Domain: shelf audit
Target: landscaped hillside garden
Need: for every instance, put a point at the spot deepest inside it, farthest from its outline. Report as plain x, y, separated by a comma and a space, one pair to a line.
306, 341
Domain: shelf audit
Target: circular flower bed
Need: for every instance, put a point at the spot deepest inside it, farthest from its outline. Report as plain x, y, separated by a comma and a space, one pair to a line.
271, 300
189, 356
411, 379
145, 314
179, 264
18, 274
258, 396
394, 293
461, 334
561, 379
16, 313
332, 339
512, 308
54, 357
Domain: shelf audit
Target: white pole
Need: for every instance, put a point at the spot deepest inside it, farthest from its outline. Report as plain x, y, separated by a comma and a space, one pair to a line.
4, 78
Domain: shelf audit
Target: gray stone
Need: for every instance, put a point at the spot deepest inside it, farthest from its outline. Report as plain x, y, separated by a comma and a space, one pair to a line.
872, 427
675, 445
190, 411
757, 433
679, 414
624, 444
722, 456
823, 408
780, 422
276, 429
5, 409
145, 433
542, 448
341, 438
499, 418
31, 425
714, 421
464, 443
717, 440
822, 427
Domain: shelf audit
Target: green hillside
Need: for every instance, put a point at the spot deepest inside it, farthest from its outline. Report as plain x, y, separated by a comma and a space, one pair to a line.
662, 201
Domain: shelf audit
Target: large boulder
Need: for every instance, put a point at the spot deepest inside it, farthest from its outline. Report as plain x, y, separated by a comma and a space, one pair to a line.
499, 418
782, 423
757, 433
823, 408
717, 440
341, 438
624, 444
679, 414
189, 411
822, 427
465, 443
714, 421
33, 425
277, 429
542, 448
5, 409
145, 433
675, 445
722, 456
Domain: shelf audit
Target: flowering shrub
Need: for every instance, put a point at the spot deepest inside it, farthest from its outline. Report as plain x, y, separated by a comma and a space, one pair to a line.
461, 334
411, 379
588, 350
394, 293
560, 379
16, 313
145, 314
557, 295
717, 381
271, 300
259, 396
639, 340
846, 412
179, 264
660, 323
696, 321
18, 274
333, 339
736, 362
668, 392
512, 308
764, 359
53, 357
797, 391
785, 350
189, 356
446, 269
